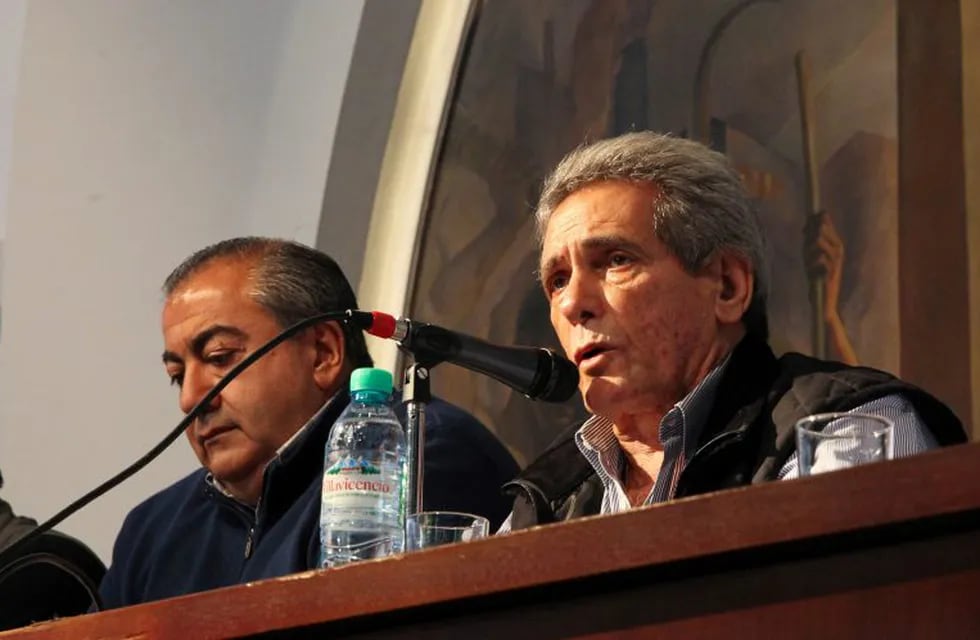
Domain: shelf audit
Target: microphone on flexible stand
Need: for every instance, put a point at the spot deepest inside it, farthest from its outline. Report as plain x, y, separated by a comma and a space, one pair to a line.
538, 373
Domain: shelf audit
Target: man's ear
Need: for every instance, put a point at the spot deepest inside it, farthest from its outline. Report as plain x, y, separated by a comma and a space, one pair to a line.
328, 367
737, 284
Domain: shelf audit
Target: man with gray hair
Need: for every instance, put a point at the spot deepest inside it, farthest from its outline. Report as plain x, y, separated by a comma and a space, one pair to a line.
654, 266
252, 510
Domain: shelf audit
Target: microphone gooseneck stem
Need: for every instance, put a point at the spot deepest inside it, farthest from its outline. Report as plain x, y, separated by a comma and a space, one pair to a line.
417, 394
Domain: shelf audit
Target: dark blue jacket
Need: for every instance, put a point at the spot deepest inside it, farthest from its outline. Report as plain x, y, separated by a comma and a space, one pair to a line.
190, 537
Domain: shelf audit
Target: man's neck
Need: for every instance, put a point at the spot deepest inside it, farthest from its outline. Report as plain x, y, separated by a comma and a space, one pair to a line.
642, 465
638, 433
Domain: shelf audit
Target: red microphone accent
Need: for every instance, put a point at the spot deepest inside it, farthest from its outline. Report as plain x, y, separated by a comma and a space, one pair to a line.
382, 325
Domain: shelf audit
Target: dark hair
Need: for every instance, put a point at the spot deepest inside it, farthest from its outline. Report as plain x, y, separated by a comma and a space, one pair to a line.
703, 206
291, 280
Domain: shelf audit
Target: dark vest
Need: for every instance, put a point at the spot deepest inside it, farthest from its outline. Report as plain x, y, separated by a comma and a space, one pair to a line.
747, 438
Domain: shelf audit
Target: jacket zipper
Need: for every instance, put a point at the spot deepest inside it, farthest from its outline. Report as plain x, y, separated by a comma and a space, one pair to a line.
250, 538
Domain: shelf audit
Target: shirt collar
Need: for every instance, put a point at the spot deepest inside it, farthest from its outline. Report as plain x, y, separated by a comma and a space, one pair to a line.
306, 427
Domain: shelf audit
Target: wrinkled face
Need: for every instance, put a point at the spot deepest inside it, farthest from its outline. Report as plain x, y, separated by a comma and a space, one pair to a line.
209, 325
639, 327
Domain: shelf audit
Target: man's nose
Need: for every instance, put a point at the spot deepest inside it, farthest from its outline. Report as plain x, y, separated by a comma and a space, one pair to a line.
581, 299
195, 386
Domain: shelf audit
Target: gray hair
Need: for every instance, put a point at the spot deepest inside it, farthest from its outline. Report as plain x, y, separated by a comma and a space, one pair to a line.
291, 280
703, 206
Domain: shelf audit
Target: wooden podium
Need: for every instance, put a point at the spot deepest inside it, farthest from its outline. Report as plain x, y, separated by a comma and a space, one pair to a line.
884, 551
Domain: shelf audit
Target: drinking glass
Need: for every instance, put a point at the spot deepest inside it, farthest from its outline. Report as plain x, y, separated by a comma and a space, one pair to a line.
433, 528
832, 441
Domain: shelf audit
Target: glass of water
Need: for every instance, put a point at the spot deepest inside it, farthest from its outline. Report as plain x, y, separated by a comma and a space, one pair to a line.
833, 441
433, 528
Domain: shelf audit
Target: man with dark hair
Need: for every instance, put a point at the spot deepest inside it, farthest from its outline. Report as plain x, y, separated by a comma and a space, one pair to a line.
252, 511
654, 267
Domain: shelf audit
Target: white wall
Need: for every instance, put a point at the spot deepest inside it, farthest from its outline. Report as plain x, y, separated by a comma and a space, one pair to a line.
11, 30
142, 131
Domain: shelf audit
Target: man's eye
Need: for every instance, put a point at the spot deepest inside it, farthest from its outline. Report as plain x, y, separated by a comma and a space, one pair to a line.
176, 379
620, 260
220, 358
556, 282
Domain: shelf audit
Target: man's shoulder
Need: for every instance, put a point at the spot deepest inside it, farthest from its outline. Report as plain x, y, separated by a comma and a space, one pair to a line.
452, 429
443, 418
446, 419
837, 383
139, 533
829, 379
167, 501
440, 411
810, 385
798, 364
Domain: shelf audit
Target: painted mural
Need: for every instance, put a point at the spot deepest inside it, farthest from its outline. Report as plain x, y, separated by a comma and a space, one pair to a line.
753, 78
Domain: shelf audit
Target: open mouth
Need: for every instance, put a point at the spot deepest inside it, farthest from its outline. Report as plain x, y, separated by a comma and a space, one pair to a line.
589, 352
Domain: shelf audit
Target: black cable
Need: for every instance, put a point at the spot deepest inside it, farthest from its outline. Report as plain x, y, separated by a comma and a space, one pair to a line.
360, 319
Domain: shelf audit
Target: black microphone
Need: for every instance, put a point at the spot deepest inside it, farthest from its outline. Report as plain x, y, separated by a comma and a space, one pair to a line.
538, 373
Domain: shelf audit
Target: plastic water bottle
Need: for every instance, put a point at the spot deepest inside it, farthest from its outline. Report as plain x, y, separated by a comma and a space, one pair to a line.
362, 506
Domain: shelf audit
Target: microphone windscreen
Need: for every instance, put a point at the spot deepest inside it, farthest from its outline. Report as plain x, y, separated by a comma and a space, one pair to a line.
561, 383
382, 325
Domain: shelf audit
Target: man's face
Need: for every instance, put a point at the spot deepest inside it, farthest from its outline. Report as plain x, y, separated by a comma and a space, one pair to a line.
640, 328
209, 325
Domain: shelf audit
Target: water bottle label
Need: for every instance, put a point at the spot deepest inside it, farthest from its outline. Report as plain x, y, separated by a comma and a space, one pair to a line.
357, 483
